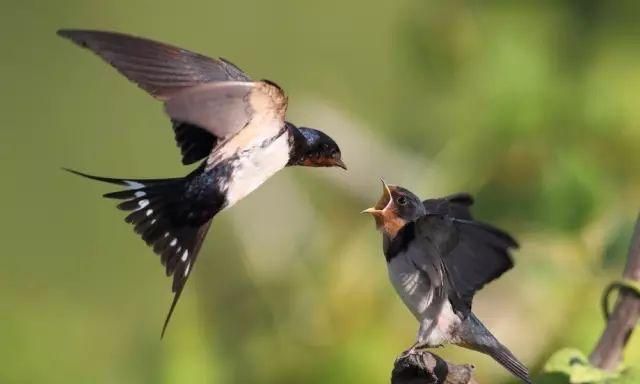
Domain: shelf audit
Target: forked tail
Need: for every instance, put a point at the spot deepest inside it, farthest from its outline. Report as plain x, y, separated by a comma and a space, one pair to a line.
168, 219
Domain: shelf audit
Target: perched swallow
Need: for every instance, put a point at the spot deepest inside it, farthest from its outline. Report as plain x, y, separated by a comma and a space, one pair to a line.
437, 258
218, 114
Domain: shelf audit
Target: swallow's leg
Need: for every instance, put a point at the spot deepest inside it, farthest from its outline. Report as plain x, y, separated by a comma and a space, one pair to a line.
421, 341
410, 351
416, 347
419, 346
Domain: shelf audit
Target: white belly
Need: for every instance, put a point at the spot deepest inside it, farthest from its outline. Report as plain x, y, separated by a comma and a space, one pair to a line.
255, 166
439, 331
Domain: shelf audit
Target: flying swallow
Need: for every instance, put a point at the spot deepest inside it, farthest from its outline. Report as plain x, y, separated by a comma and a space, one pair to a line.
219, 115
437, 257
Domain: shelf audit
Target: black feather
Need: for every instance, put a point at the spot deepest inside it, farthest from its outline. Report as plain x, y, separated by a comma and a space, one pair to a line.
496, 236
481, 256
460, 198
456, 205
170, 218
482, 253
158, 68
195, 143
474, 335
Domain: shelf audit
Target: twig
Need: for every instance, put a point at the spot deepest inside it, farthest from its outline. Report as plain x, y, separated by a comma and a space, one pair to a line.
428, 368
608, 352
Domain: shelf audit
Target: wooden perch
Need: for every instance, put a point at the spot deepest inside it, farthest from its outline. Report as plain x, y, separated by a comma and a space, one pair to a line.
427, 368
608, 352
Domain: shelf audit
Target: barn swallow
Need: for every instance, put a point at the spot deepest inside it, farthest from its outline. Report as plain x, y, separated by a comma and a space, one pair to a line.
437, 257
218, 114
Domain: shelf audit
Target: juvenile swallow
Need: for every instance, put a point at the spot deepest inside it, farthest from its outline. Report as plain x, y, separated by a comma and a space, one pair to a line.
437, 258
219, 115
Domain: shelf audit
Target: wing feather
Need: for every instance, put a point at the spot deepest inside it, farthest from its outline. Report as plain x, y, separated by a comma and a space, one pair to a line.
472, 254
158, 68
200, 93
224, 108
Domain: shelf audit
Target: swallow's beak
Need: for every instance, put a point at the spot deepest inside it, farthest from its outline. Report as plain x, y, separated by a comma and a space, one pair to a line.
385, 213
340, 163
382, 204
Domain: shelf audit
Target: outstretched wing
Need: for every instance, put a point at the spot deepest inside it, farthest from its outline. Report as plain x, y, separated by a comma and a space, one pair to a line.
457, 205
250, 111
207, 114
158, 68
482, 252
163, 71
225, 108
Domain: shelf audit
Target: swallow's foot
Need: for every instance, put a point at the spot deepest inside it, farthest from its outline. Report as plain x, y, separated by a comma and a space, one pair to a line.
406, 354
414, 349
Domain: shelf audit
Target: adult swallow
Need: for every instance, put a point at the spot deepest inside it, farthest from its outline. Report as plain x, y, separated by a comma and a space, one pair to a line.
437, 258
218, 114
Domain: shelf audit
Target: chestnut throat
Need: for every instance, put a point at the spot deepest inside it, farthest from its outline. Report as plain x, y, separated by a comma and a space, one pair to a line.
390, 223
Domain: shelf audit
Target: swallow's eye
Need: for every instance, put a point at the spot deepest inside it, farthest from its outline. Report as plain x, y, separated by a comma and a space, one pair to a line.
402, 200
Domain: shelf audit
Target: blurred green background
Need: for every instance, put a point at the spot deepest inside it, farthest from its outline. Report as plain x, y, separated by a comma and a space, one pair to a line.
533, 108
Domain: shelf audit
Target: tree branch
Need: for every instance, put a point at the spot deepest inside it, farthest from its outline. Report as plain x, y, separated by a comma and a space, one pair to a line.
427, 368
608, 352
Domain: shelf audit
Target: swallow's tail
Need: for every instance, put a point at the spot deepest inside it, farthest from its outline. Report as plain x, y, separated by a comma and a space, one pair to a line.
168, 219
474, 335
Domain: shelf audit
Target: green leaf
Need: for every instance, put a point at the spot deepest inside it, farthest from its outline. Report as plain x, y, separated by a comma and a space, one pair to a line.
576, 366
631, 375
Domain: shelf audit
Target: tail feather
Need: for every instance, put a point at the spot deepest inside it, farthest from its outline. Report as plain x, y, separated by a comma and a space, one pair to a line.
474, 335
173, 224
177, 288
503, 356
131, 183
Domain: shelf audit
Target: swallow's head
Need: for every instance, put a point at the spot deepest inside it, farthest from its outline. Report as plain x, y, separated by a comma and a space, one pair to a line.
397, 207
319, 150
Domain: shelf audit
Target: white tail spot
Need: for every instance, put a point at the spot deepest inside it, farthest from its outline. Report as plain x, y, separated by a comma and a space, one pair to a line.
184, 256
139, 194
149, 212
173, 242
133, 184
143, 203
153, 221
186, 269
166, 234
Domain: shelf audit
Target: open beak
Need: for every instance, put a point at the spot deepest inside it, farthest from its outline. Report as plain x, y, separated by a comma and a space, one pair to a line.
382, 204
